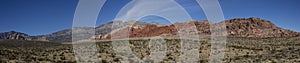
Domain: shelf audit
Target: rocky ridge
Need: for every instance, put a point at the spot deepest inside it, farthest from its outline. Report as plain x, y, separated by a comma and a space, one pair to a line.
256, 27
238, 27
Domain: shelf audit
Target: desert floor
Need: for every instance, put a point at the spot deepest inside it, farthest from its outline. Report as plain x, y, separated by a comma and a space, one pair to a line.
238, 50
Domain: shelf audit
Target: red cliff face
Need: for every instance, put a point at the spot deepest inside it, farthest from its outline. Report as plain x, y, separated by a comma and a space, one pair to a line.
153, 30
239, 27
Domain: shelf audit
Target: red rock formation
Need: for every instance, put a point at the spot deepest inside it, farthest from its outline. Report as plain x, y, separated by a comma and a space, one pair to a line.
256, 27
239, 27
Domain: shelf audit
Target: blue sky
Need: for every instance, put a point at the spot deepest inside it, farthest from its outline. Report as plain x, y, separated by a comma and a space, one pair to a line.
38, 17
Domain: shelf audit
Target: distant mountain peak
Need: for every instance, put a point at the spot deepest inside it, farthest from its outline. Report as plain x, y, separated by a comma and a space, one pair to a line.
14, 35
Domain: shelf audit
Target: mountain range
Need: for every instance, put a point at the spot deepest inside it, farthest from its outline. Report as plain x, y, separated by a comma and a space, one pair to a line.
238, 27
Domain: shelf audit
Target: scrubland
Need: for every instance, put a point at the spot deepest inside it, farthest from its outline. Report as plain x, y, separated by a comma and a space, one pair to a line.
238, 50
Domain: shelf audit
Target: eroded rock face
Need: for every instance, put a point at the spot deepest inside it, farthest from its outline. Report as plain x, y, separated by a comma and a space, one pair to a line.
239, 27
14, 35
256, 27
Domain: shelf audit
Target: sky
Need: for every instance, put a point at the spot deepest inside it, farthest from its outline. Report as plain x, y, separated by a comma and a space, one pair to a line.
39, 17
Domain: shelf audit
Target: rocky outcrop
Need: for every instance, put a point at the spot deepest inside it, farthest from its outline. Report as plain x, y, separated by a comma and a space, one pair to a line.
14, 35
248, 27
239, 27
256, 27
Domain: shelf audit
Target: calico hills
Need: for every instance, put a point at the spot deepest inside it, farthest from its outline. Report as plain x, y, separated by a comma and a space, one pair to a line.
238, 27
